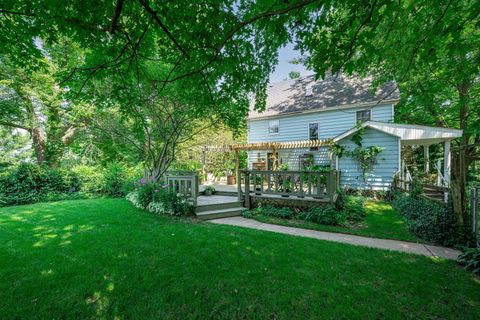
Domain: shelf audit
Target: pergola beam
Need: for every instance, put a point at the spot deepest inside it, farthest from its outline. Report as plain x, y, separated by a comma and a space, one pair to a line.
269, 145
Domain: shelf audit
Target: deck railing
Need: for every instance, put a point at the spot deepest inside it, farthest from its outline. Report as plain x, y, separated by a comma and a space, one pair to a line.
299, 184
185, 183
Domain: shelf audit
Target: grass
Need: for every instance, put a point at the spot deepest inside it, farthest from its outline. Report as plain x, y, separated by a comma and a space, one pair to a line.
381, 221
102, 258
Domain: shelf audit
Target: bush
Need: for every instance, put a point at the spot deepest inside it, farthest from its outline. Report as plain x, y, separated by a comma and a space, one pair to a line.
351, 210
28, 183
427, 219
158, 198
470, 259
114, 180
328, 215
90, 177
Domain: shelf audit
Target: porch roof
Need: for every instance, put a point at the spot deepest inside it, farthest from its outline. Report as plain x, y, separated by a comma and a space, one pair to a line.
409, 134
269, 145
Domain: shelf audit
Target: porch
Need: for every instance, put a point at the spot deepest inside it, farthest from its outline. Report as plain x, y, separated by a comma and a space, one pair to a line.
436, 172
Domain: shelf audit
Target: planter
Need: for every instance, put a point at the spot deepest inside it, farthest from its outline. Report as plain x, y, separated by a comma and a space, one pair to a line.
231, 180
258, 191
286, 195
208, 192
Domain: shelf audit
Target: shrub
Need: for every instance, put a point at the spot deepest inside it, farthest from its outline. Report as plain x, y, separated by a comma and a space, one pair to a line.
158, 198
90, 177
470, 259
328, 215
28, 183
354, 208
427, 219
114, 180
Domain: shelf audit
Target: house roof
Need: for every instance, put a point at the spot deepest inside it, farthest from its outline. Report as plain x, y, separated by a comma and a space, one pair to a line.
292, 96
409, 134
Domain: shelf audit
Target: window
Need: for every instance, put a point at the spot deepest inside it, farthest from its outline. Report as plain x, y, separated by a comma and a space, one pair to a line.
313, 134
273, 126
363, 115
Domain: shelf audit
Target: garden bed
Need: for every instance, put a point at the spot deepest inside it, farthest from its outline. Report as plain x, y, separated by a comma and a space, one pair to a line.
378, 220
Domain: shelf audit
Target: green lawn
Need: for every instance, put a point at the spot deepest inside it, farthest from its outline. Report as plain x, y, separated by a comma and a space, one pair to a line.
104, 259
381, 221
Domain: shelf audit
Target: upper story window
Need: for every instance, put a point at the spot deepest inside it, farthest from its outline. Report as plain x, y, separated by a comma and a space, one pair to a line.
313, 134
363, 115
273, 126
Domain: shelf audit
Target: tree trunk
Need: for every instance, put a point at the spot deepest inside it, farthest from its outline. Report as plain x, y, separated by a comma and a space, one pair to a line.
39, 144
459, 162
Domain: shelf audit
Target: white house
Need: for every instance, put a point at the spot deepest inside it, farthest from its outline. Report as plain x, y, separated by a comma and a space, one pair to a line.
309, 109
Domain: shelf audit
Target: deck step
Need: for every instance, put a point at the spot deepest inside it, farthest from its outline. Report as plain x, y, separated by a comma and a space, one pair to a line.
218, 206
220, 213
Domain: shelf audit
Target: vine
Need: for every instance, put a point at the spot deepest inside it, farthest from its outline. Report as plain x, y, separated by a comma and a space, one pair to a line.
366, 157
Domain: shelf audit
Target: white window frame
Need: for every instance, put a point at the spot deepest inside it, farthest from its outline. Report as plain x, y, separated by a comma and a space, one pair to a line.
356, 115
270, 126
318, 130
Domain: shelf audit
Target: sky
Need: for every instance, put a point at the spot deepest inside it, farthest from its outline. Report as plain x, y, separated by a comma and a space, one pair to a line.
286, 54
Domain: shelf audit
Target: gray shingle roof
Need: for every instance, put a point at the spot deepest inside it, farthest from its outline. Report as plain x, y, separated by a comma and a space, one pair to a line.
335, 90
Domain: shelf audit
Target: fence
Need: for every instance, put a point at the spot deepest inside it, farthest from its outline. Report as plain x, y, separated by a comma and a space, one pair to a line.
474, 209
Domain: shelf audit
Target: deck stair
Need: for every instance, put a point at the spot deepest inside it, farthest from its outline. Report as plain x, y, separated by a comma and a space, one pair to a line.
215, 207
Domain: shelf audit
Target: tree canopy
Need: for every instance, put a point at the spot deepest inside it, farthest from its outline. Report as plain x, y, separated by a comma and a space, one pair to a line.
212, 56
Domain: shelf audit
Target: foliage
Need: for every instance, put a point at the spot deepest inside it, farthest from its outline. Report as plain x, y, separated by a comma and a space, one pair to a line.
436, 71
470, 259
294, 75
155, 197
28, 183
327, 215
365, 157
351, 210
427, 219
283, 167
90, 177
210, 189
114, 180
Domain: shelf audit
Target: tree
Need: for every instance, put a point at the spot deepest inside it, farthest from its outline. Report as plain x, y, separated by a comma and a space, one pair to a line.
149, 126
223, 50
32, 101
430, 48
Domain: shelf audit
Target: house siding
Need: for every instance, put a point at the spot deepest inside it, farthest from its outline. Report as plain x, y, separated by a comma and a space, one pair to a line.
331, 124
296, 127
380, 178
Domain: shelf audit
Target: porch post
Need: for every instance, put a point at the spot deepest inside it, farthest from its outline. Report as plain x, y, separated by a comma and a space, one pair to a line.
439, 173
426, 157
446, 162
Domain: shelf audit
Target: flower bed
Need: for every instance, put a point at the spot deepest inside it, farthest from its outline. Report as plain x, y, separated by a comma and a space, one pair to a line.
157, 197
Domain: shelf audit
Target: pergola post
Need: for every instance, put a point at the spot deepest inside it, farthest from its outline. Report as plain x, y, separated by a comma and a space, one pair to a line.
274, 159
426, 157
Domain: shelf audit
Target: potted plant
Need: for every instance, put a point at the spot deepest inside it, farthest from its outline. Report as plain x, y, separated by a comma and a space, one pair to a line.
231, 176
287, 187
258, 182
209, 190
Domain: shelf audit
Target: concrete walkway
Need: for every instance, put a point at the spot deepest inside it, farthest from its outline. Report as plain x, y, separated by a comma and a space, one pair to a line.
395, 245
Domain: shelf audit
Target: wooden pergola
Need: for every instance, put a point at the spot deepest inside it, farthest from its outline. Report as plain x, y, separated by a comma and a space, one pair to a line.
273, 146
